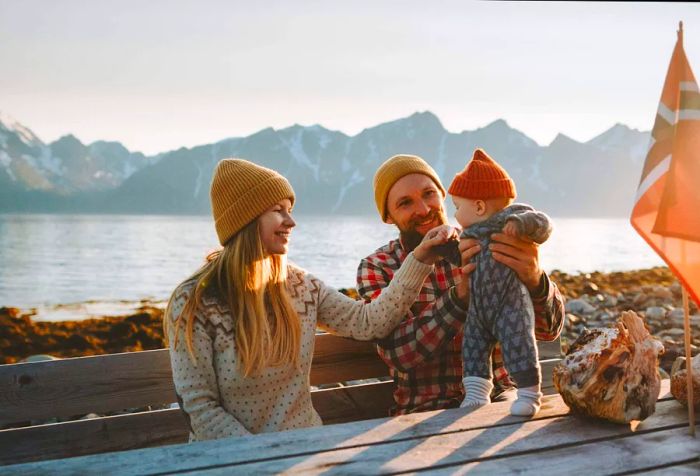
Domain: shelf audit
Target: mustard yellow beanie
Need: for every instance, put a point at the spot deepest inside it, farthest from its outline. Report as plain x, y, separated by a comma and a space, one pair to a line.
395, 168
241, 191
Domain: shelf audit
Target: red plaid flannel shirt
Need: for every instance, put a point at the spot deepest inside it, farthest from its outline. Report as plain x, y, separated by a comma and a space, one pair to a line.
424, 353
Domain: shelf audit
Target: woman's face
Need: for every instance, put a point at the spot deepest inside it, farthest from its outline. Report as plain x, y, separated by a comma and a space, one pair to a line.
275, 225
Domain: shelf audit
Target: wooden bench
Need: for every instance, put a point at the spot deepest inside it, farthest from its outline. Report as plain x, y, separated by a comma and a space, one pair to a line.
71, 388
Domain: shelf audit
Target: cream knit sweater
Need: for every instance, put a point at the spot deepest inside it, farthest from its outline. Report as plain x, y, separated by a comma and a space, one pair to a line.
219, 401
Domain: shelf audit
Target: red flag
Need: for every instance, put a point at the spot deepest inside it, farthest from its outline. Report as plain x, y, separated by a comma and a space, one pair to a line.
667, 208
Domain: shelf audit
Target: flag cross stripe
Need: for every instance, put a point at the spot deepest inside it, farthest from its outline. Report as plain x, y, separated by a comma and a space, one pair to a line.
651, 178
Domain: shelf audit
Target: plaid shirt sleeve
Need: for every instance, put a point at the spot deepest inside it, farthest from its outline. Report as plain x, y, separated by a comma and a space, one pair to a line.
549, 311
420, 335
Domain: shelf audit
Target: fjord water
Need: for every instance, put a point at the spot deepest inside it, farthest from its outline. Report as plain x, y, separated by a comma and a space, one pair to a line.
61, 259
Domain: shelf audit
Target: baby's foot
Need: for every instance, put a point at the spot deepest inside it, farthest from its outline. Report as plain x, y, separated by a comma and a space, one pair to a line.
477, 392
473, 403
528, 402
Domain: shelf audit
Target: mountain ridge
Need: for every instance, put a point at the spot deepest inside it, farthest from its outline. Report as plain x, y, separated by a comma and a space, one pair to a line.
331, 171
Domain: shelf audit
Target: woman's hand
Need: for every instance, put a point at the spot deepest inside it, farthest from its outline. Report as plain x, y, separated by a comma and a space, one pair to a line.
436, 236
520, 255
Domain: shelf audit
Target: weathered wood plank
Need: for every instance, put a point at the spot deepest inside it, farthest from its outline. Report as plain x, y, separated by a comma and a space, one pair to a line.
314, 443
82, 437
452, 448
337, 359
99, 384
685, 468
147, 429
549, 350
547, 366
626, 455
356, 402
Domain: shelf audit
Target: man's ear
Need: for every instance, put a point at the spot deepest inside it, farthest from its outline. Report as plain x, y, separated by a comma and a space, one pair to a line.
389, 220
480, 207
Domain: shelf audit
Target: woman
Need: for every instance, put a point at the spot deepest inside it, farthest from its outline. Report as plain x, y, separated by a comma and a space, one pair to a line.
241, 329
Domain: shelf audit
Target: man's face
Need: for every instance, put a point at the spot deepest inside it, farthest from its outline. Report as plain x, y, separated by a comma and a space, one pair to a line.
415, 205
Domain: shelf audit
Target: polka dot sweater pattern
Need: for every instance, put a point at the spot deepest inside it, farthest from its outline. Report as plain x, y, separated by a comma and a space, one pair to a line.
219, 402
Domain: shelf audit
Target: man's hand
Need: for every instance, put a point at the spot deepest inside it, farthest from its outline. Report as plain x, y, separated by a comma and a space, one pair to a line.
437, 236
468, 247
522, 256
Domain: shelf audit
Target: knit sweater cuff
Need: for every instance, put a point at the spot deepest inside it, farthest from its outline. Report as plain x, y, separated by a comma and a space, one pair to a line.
413, 272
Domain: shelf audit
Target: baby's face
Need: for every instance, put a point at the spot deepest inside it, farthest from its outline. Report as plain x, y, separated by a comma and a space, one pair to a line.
467, 211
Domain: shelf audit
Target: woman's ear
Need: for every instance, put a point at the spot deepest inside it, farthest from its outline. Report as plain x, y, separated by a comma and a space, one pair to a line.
479, 207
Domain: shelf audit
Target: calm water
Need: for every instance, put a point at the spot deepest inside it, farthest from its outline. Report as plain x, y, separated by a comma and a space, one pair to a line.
61, 259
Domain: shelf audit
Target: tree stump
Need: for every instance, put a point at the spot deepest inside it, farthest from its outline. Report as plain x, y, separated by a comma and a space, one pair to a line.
612, 373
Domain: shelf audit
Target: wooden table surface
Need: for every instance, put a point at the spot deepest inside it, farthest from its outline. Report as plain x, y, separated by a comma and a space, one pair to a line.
487, 440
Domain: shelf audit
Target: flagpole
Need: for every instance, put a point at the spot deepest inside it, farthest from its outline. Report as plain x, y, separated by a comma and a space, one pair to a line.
688, 363
686, 325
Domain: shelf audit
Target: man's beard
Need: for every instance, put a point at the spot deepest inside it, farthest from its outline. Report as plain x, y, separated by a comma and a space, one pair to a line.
410, 237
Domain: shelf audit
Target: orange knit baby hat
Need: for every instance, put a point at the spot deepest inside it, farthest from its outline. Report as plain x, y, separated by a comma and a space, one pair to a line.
482, 178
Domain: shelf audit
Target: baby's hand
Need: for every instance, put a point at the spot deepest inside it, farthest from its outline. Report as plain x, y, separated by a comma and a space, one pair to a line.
439, 235
511, 229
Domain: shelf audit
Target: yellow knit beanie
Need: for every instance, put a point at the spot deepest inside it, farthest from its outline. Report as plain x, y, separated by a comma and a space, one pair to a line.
241, 191
395, 168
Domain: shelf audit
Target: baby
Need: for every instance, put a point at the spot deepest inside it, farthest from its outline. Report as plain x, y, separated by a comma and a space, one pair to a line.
500, 307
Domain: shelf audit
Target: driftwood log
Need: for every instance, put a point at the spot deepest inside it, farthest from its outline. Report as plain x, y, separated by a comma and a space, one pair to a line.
679, 381
612, 373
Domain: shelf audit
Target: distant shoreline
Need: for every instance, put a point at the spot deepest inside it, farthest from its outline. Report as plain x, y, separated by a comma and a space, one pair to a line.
592, 300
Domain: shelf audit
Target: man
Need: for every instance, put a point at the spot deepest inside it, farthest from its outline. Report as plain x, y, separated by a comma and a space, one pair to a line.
424, 351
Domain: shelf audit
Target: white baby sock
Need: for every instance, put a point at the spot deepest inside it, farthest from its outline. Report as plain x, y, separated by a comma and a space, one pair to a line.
477, 392
528, 402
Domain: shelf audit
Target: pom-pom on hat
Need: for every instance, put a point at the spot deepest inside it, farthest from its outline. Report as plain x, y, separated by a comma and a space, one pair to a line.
482, 178
241, 191
392, 170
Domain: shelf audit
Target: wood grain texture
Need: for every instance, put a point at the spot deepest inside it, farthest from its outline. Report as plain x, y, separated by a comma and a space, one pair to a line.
686, 467
99, 384
610, 456
356, 402
97, 435
430, 440
549, 350
337, 359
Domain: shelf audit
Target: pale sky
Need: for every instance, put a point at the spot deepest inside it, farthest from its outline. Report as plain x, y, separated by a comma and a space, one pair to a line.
158, 75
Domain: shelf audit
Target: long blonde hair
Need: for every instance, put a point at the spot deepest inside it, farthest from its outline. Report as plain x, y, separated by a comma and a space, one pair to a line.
267, 330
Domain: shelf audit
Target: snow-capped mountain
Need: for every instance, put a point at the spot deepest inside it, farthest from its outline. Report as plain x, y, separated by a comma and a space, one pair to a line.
331, 172
66, 166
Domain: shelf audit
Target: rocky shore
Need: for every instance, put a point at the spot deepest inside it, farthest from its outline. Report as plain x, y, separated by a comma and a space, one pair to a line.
21, 337
592, 300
